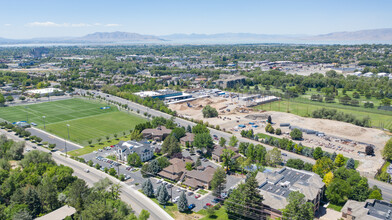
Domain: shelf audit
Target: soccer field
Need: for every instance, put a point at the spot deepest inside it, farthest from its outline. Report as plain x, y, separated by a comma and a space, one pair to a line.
86, 119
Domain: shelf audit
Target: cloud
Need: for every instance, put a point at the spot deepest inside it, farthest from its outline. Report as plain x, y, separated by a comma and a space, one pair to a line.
112, 25
53, 24
7, 25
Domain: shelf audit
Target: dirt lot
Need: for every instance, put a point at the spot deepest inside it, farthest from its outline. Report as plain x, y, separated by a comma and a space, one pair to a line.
335, 131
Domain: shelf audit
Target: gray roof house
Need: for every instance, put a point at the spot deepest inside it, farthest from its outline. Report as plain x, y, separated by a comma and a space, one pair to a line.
371, 209
142, 148
275, 186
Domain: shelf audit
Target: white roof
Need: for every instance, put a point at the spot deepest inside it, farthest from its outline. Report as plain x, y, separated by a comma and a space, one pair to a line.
146, 93
60, 213
43, 91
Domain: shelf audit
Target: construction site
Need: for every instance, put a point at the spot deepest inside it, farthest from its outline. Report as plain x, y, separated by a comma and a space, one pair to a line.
333, 136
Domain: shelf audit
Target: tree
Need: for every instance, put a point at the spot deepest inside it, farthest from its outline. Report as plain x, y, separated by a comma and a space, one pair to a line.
2, 100
317, 153
47, 192
387, 152
136, 135
178, 132
323, 166
77, 194
112, 172
171, 145
338, 191
198, 162
296, 134
278, 131
369, 150
147, 188
163, 162
269, 120
273, 157
203, 141
22, 214
269, 128
144, 215
227, 158
218, 181
16, 150
222, 142
245, 201
339, 160
200, 128
350, 164
188, 166
209, 112
36, 157
375, 193
153, 167
163, 196
233, 141
295, 163
328, 178
189, 129
182, 203
134, 160
10, 98
298, 208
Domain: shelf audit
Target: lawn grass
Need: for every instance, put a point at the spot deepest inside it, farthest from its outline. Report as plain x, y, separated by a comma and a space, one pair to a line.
94, 127
304, 107
56, 111
96, 146
335, 207
220, 214
86, 119
202, 191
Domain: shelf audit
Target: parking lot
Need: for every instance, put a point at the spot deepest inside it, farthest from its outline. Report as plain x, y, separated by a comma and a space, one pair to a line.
136, 179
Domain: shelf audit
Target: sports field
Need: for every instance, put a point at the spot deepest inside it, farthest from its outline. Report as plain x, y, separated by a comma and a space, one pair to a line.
86, 119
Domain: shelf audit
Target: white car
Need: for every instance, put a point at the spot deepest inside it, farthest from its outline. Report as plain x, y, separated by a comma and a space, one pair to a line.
176, 199
86, 170
159, 181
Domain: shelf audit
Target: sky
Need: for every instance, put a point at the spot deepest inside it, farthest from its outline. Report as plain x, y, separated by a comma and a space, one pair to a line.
24, 19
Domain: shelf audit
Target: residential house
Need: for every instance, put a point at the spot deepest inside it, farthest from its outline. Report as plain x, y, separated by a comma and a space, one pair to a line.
371, 209
218, 151
159, 133
142, 148
275, 186
199, 178
188, 138
176, 170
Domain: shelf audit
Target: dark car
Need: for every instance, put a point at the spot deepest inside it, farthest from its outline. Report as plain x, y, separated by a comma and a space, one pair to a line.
216, 200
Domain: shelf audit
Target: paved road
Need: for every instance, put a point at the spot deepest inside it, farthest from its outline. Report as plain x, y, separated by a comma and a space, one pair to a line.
61, 144
128, 194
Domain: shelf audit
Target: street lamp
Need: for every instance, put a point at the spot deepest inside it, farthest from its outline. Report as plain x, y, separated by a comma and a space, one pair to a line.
66, 141
44, 121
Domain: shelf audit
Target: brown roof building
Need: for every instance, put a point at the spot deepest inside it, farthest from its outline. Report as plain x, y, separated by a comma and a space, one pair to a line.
218, 151
175, 170
159, 133
200, 178
189, 137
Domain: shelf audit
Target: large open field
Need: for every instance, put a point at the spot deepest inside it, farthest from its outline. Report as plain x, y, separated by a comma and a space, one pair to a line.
86, 119
301, 107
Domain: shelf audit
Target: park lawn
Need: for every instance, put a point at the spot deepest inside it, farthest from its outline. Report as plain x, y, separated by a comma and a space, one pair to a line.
202, 191
305, 108
220, 214
94, 127
56, 111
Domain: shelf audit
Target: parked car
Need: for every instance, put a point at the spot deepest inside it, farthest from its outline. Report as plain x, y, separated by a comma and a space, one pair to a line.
159, 181
216, 200
176, 199
284, 154
169, 185
164, 183
208, 204
191, 206
197, 196
190, 193
86, 170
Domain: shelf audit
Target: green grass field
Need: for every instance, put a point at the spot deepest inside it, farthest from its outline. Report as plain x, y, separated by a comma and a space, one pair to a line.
379, 118
87, 121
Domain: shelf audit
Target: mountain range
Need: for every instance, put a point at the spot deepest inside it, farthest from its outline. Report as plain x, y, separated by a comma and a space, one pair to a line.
362, 36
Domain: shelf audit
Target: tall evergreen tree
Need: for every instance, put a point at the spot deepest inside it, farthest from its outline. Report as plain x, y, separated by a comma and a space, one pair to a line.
163, 196
350, 164
148, 189
182, 203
